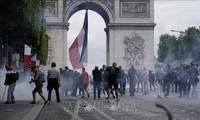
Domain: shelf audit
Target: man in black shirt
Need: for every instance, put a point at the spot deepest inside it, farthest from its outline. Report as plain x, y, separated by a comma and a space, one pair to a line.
112, 80
96, 81
11, 82
132, 78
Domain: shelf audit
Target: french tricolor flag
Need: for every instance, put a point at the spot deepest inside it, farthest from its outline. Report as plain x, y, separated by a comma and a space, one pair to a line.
78, 50
27, 55
33, 60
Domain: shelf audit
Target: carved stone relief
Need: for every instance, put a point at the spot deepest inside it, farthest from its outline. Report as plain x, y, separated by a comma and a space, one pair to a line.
110, 3
134, 50
68, 2
51, 8
134, 9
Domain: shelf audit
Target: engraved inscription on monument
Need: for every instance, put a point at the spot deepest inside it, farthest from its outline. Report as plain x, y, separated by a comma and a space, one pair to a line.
134, 9
51, 8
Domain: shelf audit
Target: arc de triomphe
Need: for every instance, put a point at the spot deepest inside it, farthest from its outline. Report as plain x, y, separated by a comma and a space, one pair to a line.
129, 29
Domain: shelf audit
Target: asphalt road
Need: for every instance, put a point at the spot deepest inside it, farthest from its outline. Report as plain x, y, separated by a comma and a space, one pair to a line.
138, 107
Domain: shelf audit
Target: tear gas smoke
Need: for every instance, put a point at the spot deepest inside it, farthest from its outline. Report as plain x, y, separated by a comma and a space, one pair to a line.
23, 90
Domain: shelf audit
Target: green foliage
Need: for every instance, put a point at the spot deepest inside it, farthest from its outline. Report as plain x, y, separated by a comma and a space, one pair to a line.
24, 21
183, 48
167, 45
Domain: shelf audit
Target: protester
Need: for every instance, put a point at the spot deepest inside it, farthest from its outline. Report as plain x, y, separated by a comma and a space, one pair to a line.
38, 84
102, 86
140, 81
62, 78
112, 80
75, 84
176, 81
84, 82
11, 78
193, 79
97, 79
159, 80
65, 82
124, 78
167, 80
152, 81
105, 81
53, 79
132, 78
120, 80
183, 76
146, 77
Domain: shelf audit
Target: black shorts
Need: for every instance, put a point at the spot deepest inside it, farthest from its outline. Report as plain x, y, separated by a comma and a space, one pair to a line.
112, 84
38, 88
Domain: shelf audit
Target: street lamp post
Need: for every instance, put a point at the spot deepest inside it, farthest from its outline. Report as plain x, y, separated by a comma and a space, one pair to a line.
181, 33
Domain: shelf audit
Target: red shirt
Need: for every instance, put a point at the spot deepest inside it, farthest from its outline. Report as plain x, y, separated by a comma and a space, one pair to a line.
84, 78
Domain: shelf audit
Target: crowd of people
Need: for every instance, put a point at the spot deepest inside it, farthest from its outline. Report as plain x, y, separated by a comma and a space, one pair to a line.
182, 79
113, 81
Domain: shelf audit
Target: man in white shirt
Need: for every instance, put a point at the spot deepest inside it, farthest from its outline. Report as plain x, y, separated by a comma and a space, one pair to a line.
53, 79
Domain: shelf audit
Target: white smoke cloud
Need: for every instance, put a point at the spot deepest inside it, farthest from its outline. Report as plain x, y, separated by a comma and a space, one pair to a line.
23, 90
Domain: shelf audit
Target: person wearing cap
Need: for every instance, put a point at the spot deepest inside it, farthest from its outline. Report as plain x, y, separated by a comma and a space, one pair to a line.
38, 84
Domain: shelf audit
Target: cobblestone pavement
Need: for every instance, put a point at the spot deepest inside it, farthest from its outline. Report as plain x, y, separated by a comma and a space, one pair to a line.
139, 107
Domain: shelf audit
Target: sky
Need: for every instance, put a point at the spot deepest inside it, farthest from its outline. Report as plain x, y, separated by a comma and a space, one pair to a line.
168, 15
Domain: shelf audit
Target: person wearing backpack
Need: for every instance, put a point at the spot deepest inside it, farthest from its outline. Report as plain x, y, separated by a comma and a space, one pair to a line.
11, 77
53, 79
39, 84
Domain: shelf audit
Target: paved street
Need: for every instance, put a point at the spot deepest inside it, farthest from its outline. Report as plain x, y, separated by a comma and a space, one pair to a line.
15, 111
139, 107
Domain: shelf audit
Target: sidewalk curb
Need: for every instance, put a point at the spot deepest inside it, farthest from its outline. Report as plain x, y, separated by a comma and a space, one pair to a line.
33, 112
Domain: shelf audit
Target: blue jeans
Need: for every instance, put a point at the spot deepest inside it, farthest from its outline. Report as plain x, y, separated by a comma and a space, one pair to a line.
120, 84
132, 87
97, 87
10, 95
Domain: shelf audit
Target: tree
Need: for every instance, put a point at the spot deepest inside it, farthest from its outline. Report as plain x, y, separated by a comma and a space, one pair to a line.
167, 46
181, 49
190, 44
23, 22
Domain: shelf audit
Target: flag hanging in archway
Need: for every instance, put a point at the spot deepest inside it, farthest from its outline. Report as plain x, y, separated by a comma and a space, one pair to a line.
78, 50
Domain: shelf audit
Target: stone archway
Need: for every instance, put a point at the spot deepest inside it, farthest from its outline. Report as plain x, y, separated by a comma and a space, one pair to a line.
129, 29
97, 6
